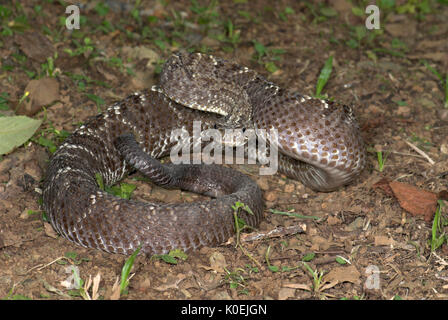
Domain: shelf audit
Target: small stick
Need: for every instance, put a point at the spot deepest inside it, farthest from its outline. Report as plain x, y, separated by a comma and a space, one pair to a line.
277, 232
421, 152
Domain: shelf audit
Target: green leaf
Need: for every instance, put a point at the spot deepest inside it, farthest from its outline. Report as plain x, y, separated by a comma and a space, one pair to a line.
15, 131
4, 101
273, 268
324, 75
44, 142
308, 257
260, 48
270, 66
328, 12
178, 253
340, 260
293, 214
127, 269
358, 12
168, 259
124, 190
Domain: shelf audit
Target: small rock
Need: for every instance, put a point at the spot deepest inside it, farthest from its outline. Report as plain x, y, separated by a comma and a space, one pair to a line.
289, 188
425, 102
270, 196
373, 109
333, 221
444, 148
222, 295
285, 293
404, 111
217, 261
443, 114
356, 224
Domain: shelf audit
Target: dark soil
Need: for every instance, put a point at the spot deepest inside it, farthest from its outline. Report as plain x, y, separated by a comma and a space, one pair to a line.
396, 98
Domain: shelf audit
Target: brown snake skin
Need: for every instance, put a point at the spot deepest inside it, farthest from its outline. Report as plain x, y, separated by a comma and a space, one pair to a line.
319, 144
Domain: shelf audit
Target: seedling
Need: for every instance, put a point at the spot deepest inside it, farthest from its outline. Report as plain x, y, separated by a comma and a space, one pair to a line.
126, 270
171, 257
323, 78
381, 160
317, 277
240, 225
438, 236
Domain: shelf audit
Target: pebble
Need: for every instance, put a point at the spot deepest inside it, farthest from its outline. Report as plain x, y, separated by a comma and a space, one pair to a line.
289, 188
270, 196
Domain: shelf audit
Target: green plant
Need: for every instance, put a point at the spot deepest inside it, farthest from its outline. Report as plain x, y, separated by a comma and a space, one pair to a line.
267, 56
293, 214
126, 270
122, 190
381, 160
236, 280
266, 256
230, 36
438, 236
317, 277
240, 225
171, 257
323, 78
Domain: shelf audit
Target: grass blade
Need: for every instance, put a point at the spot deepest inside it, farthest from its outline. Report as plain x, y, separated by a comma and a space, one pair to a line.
126, 270
293, 214
324, 76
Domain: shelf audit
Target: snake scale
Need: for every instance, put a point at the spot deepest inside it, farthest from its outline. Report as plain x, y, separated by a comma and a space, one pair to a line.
318, 141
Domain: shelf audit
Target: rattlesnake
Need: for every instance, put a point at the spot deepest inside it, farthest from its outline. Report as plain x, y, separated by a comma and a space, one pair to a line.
318, 141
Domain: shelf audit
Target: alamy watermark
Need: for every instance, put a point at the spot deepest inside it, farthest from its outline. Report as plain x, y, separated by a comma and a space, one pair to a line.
373, 277
372, 21
72, 21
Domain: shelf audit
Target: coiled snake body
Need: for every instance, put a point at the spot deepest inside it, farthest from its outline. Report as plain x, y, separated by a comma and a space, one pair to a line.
319, 144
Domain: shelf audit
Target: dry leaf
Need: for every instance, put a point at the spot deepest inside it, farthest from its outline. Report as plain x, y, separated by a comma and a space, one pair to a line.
414, 200
285, 293
342, 274
35, 45
297, 286
115, 294
217, 261
49, 231
384, 241
42, 92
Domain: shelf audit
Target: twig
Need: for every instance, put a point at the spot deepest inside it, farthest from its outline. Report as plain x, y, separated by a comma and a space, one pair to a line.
277, 232
421, 152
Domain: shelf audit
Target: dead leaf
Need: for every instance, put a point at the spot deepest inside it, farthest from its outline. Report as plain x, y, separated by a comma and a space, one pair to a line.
217, 261
435, 56
115, 292
342, 274
297, 286
401, 29
384, 241
42, 92
285, 293
414, 200
49, 231
384, 185
35, 45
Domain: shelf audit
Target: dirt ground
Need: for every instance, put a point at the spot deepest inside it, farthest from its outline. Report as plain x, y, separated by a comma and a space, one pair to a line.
357, 242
